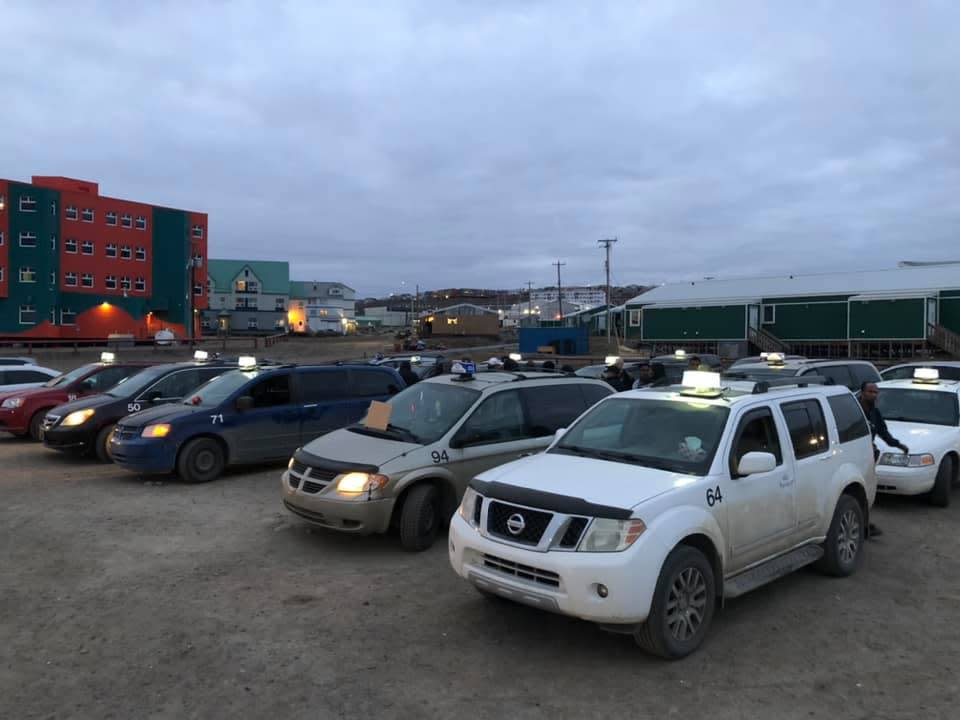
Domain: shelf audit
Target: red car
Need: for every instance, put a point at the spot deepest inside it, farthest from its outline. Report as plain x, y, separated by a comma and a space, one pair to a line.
22, 411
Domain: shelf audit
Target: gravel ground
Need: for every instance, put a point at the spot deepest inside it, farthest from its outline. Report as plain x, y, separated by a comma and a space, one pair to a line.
126, 599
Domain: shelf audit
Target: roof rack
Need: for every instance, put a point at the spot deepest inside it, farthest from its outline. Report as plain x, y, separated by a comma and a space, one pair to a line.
763, 386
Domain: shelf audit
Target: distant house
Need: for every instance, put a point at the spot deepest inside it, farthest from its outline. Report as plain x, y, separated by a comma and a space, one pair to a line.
321, 306
247, 297
464, 319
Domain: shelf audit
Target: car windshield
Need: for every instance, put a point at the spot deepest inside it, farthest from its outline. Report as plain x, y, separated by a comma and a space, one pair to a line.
69, 377
930, 407
947, 372
423, 413
677, 436
133, 384
216, 390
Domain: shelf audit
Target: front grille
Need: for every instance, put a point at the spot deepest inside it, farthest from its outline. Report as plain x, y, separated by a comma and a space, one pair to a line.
49, 421
477, 509
312, 487
293, 480
534, 522
574, 530
299, 468
524, 572
125, 433
324, 476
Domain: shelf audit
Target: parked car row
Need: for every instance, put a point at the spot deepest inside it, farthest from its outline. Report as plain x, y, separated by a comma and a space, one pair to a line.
642, 511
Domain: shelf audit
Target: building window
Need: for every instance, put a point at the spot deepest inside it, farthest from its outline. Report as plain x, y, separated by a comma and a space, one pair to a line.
126, 253
53, 279
280, 304
197, 231
142, 254
247, 286
769, 314
110, 282
87, 247
28, 203
246, 304
111, 250
140, 285
28, 239
198, 289
125, 283
206, 324
70, 279
634, 318
1, 237
28, 314
70, 213
141, 222
251, 323
126, 220
111, 218
70, 246
1, 274
53, 242
87, 215
86, 280
197, 259
68, 317
279, 324
28, 275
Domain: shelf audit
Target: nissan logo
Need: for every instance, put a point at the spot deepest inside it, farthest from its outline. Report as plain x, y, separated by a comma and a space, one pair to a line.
516, 524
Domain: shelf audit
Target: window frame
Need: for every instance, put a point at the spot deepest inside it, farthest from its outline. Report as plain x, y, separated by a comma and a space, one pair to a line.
457, 439
71, 213
748, 417
67, 311
84, 278
28, 200
71, 243
763, 315
31, 271
126, 252
110, 282
197, 232
140, 222
140, 285
30, 309
107, 248
847, 398
88, 211
805, 403
67, 277
634, 318
111, 215
85, 244
27, 235
126, 220
140, 254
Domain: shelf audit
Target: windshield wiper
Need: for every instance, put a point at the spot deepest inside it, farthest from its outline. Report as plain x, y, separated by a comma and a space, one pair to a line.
404, 432
615, 456
391, 433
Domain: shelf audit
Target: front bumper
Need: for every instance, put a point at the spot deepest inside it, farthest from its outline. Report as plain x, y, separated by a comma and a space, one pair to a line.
75, 439
357, 516
13, 420
560, 581
143, 455
906, 481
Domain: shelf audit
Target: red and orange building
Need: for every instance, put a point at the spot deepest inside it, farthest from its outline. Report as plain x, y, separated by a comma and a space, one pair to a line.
75, 264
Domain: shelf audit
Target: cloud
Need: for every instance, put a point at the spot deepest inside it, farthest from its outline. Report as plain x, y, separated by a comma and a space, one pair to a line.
476, 143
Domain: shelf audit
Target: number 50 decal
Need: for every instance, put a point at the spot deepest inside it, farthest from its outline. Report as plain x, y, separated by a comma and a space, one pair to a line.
133, 407
714, 496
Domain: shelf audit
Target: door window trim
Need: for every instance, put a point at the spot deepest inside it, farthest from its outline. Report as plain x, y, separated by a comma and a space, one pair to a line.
745, 419
829, 439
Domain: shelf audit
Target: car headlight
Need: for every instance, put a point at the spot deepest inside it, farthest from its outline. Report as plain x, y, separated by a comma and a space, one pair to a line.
160, 430
468, 506
13, 402
901, 460
358, 482
77, 418
605, 535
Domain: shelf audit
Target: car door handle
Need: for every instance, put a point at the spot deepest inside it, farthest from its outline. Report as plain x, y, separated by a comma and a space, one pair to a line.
310, 405
786, 481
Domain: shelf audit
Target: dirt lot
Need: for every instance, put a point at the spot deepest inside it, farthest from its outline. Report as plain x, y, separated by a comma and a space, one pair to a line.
120, 599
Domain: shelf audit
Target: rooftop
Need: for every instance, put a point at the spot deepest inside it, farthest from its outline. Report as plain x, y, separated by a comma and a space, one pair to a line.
274, 275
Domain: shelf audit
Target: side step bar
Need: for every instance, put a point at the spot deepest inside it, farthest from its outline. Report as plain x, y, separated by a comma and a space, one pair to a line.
771, 570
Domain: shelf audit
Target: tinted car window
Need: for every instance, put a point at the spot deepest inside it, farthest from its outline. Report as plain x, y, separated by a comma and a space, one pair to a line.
499, 418
372, 383
839, 374
552, 407
271, 391
863, 373
323, 385
108, 377
175, 385
25, 376
851, 424
808, 432
757, 433
918, 406
593, 394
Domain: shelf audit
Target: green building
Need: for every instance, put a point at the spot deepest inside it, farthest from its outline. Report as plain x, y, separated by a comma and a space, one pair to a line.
886, 313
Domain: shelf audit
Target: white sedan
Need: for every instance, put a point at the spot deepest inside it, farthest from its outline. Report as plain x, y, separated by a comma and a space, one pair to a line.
923, 414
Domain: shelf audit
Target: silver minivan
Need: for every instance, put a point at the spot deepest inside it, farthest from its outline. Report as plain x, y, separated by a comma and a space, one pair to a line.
441, 433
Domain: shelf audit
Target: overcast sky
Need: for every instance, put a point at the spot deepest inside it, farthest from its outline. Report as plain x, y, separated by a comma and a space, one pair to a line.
475, 143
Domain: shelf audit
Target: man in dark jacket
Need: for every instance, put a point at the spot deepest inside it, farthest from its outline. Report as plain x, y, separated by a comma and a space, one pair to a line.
869, 392
407, 373
618, 378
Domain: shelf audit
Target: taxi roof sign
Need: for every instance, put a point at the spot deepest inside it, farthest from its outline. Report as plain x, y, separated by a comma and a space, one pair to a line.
701, 382
464, 369
247, 361
516, 357
926, 375
107, 357
680, 354
201, 355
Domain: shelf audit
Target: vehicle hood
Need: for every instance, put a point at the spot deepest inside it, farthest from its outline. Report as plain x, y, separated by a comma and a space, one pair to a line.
160, 413
919, 437
91, 401
351, 447
601, 482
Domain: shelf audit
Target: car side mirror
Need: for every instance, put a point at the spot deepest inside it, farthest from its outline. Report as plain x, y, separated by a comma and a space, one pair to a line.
559, 433
86, 386
153, 396
754, 463
393, 390
245, 402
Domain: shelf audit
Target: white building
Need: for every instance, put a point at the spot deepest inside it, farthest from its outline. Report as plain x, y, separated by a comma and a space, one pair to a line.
585, 297
320, 306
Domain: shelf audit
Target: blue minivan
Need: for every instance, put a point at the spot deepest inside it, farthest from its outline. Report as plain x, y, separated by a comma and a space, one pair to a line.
249, 415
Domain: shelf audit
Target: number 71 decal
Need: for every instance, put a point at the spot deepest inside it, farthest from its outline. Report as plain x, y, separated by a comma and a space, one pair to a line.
218, 418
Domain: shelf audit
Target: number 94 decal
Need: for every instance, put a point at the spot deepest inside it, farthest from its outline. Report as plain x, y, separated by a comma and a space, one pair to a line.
439, 457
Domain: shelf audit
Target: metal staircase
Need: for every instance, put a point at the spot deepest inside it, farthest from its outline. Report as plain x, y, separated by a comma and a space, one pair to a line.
944, 339
766, 342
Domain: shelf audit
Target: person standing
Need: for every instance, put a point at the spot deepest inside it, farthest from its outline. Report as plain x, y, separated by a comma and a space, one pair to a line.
645, 377
869, 392
618, 378
407, 373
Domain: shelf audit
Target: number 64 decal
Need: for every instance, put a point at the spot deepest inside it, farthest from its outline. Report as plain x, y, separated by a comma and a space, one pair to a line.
714, 496
133, 407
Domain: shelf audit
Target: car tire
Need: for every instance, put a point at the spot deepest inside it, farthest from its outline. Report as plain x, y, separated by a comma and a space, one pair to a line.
101, 447
940, 494
843, 548
200, 461
36, 421
420, 518
683, 605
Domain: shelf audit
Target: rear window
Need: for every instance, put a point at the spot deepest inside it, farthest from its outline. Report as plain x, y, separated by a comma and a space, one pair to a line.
552, 407
864, 373
15, 377
372, 383
851, 424
837, 374
323, 385
808, 429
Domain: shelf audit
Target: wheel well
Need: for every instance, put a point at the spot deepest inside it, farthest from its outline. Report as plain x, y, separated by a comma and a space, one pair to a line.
705, 545
448, 498
216, 438
856, 491
956, 465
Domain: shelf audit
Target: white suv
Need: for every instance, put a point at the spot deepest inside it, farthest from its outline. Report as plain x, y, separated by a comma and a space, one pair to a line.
658, 504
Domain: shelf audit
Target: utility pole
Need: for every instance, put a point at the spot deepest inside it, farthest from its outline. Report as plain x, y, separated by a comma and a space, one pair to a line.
530, 300
559, 288
607, 242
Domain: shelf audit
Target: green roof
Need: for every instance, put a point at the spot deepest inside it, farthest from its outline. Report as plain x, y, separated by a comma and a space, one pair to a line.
274, 275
